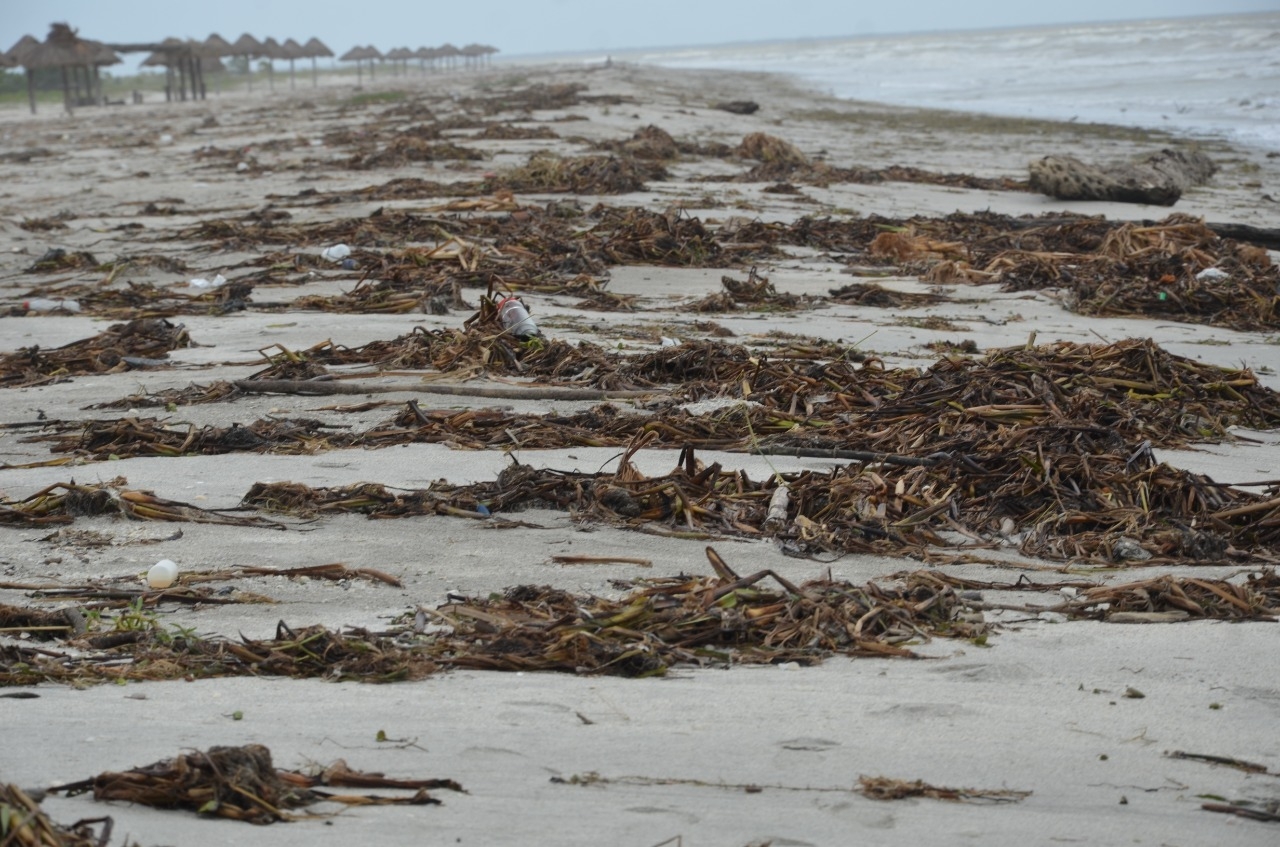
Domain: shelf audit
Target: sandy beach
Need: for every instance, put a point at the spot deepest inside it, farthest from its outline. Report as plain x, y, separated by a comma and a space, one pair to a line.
1042, 726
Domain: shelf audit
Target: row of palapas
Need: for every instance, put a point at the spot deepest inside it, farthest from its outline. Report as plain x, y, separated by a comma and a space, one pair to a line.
80, 58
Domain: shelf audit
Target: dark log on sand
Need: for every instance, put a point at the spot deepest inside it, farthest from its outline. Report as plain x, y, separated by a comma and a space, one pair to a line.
1158, 180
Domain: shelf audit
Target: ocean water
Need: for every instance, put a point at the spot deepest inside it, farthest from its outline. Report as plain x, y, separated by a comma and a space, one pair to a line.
1208, 76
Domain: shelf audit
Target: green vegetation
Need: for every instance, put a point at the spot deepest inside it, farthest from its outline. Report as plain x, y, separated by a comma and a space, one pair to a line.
370, 98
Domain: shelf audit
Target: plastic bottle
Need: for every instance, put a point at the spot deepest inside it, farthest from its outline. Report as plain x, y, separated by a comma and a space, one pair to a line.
45, 304
515, 317
162, 574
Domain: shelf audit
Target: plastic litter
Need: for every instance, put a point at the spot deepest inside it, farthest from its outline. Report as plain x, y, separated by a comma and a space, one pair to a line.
200, 282
348, 264
1212, 273
162, 574
515, 317
241, 167
46, 304
336, 253
663, 341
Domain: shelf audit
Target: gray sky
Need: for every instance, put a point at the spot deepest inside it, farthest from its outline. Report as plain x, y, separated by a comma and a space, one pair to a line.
537, 26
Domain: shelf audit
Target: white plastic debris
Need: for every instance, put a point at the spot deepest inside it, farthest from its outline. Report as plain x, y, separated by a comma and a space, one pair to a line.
200, 282
336, 253
776, 517
46, 304
162, 574
241, 167
663, 341
166, 139
1212, 273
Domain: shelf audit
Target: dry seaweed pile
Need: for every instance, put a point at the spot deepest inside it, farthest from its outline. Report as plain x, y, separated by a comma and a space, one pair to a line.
62, 503
117, 348
547, 172
781, 161
650, 142
24, 824
1178, 268
242, 783
879, 297
1115, 396
1257, 598
756, 293
407, 148
149, 437
1047, 448
58, 259
539, 96
663, 623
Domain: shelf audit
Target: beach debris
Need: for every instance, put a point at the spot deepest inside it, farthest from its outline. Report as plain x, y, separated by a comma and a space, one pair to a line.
886, 788
719, 620
878, 297
25, 824
107, 352
335, 253
660, 623
755, 292
59, 259
162, 574
1158, 179
1054, 439
62, 502
514, 317
547, 172
738, 107
243, 784
49, 304
202, 283
649, 142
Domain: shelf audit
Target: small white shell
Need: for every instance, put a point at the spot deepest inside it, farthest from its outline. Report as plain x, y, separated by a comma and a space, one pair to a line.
162, 574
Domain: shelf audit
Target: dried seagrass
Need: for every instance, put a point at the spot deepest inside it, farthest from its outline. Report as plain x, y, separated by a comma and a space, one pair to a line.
27, 825
242, 783
663, 623
62, 502
109, 351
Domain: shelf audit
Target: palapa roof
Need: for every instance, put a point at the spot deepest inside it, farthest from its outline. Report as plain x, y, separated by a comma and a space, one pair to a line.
315, 47
398, 53
247, 45
163, 58
15, 53
292, 50
355, 54
271, 49
372, 52
425, 53
63, 47
216, 45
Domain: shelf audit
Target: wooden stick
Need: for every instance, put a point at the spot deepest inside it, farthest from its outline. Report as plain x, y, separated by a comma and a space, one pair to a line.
504, 392
601, 560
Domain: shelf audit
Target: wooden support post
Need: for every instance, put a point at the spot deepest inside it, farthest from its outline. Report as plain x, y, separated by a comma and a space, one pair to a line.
66, 91
31, 89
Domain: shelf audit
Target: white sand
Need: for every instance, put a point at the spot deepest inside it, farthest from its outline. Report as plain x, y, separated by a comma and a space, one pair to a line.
1040, 709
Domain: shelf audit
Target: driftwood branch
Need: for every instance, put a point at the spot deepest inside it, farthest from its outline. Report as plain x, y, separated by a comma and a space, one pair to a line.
502, 392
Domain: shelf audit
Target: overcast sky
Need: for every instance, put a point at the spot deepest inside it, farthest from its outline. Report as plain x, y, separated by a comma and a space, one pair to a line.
541, 26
